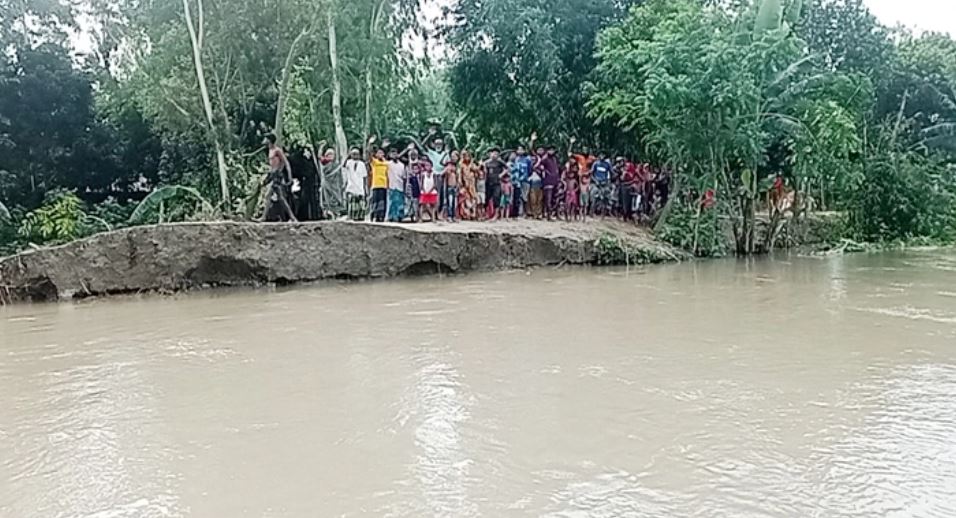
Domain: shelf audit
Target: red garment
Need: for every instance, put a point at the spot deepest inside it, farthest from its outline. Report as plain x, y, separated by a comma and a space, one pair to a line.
709, 200
643, 174
778, 185
630, 174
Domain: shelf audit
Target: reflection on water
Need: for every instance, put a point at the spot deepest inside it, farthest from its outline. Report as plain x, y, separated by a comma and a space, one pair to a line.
791, 387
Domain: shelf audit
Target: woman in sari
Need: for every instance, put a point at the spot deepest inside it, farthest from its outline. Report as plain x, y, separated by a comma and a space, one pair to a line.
468, 194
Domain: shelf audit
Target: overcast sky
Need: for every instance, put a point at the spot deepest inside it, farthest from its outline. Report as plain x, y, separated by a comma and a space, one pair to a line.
921, 15
926, 15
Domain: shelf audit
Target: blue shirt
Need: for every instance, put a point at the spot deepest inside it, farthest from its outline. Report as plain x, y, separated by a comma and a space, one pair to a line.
601, 171
521, 170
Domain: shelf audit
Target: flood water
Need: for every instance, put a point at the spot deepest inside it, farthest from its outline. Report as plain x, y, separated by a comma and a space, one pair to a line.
793, 387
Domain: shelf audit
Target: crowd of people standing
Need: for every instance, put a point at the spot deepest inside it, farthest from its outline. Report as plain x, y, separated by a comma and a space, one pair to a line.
432, 182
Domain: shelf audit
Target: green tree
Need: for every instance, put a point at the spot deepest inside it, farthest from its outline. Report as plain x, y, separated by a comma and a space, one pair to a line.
522, 64
712, 90
210, 78
50, 132
846, 36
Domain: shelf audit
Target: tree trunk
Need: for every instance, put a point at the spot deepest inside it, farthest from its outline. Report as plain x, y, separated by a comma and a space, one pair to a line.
373, 24
748, 230
341, 143
664, 213
286, 77
367, 125
197, 42
700, 210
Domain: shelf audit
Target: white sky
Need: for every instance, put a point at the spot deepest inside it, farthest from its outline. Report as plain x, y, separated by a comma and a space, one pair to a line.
922, 15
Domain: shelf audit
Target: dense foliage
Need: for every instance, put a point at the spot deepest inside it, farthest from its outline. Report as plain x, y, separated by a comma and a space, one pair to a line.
733, 97
163, 119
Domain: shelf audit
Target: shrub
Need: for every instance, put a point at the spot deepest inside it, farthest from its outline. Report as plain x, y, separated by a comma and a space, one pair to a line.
905, 195
682, 224
58, 220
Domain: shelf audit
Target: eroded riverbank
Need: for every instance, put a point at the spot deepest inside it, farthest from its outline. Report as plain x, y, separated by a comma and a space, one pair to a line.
167, 258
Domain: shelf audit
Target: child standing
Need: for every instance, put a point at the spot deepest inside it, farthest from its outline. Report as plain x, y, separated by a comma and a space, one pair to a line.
451, 187
429, 194
413, 185
507, 193
571, 192
584, 187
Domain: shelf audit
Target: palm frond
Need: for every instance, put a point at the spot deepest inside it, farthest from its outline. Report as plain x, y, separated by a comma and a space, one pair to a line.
163, 194
788, 72
101, 221
769, 16
4, 212
942, 134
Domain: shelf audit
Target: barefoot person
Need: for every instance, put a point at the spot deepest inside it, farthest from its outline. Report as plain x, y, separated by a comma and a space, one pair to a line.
355, 178
280, 183
551, 182
507, 195
521, 169
601, 188
572, 195
396, 187
429, 197
379, 187
438, 155
450, 179
413, 184
493, 168
467, 188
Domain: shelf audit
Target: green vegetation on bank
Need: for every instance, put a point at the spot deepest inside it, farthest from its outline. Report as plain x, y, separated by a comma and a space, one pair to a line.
163, 119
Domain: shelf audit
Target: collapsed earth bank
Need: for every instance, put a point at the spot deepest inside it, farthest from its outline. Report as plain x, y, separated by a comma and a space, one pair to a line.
175, 257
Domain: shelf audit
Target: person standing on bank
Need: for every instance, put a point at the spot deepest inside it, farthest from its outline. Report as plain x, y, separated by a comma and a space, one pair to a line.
379, 182
601, 188
439, 156
354, 176
280, 183
551, 182
413, 184
493, 167
520, 177
451, 187
396, 187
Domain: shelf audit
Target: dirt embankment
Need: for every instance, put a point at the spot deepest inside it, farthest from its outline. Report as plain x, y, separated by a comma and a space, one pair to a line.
193, 255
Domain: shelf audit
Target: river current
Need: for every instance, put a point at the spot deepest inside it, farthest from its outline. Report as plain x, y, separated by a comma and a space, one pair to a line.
787, 387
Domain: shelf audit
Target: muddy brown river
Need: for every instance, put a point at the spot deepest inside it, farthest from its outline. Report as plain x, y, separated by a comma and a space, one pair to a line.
795, 387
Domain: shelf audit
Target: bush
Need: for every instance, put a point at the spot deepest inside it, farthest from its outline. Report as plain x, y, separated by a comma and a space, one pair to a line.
615, 250
682, 223
58, 220
904, 196
111, 214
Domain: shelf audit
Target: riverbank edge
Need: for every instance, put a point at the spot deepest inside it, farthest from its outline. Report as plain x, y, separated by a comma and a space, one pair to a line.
187, 256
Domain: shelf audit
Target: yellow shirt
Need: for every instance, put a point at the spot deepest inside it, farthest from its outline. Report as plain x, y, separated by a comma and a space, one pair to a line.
379, 174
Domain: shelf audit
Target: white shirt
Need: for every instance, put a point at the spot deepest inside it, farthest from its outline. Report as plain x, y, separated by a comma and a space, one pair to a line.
428, 182
396, 175
354, 174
